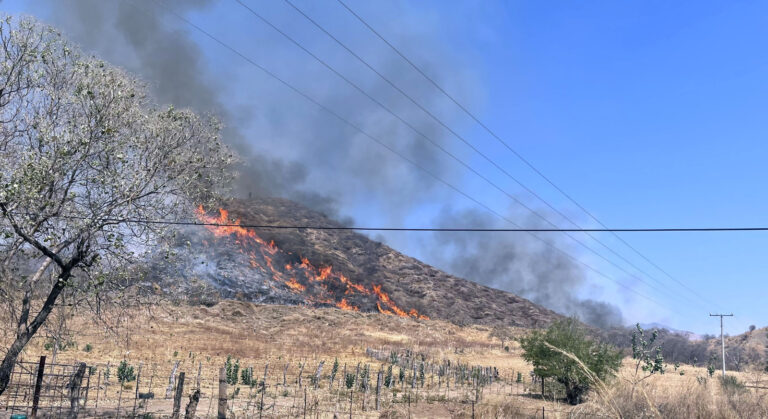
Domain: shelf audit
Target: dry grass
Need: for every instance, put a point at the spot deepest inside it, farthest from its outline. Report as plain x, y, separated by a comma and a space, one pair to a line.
276, 335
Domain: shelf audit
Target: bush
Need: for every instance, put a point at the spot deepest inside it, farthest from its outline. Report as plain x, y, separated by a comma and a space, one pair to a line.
565, 353
125, 372
732, 384
349, 380
232, 368
246, 377
88, 347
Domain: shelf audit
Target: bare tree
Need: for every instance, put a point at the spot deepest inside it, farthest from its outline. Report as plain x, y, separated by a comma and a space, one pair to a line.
501, 333
85, 156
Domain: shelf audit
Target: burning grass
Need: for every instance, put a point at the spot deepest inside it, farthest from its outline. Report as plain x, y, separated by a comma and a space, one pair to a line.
320, 285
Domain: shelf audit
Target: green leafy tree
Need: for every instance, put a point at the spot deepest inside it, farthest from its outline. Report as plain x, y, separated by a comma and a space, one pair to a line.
84, 153
564, 352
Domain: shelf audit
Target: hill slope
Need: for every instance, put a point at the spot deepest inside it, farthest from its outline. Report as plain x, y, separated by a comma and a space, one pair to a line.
327, 268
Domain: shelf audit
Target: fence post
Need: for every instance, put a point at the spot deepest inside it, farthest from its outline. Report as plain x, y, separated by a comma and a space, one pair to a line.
38, 385
74, 390
191, 409
177, 396
263, 390
136, 393
222, 414
301, 370
318, 372
378, 388
98, 390
171, 378
199, 371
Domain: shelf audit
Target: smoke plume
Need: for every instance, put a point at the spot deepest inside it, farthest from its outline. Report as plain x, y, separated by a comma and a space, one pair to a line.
519, 263
290, 148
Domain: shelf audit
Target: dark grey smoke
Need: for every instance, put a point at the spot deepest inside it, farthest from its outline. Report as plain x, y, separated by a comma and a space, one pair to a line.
291, 149
288, 147
518, 263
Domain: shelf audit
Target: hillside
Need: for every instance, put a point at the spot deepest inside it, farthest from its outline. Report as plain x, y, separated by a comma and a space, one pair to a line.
323, 268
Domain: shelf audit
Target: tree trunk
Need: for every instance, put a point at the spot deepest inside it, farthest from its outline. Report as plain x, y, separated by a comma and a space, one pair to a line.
24, 334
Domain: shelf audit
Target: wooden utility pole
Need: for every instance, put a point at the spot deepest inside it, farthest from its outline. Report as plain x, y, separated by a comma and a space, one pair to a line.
722, 338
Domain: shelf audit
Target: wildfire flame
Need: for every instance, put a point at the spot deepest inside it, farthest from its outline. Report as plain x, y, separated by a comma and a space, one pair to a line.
257, 249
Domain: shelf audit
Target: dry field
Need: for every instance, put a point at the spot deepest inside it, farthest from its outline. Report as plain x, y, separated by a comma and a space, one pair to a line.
282, 338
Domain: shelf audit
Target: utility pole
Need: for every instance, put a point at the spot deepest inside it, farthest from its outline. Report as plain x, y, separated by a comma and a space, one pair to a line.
722, 339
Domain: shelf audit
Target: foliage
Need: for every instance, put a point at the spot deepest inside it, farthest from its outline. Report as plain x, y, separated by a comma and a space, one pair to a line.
246, 377
125, 372
711, 366
365, 376
334, 370
83, 152
389, 379
549, 352
732, 384
88, 347
349, 380
232, 369
649, 357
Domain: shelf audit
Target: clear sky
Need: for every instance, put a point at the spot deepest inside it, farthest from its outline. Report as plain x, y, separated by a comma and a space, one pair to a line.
649, 114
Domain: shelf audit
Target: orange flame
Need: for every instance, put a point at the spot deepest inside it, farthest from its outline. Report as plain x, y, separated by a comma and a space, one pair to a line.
254, 246
346, 306
295, 285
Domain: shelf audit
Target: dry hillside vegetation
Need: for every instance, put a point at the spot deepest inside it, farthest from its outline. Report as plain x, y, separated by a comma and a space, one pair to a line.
261, 335
324, 268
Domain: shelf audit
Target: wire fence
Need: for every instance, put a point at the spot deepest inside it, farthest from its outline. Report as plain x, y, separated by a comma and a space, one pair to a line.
282, 387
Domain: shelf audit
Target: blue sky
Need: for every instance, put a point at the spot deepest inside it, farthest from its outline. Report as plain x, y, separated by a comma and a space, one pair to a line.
649, 114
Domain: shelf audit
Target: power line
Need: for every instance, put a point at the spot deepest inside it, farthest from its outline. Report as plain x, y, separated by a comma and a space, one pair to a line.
381, 143
525, 161
420, 229
443, 149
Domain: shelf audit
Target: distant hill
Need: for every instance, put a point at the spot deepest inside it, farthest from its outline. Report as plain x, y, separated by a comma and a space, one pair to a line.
324, 268
687, 334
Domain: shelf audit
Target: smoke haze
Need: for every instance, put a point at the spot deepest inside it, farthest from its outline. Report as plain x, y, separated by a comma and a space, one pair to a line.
289, 148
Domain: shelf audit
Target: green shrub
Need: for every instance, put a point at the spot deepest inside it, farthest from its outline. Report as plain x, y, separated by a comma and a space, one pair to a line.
349, 380
232, 368
246, 377
732, 384
552, 354
125, 372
